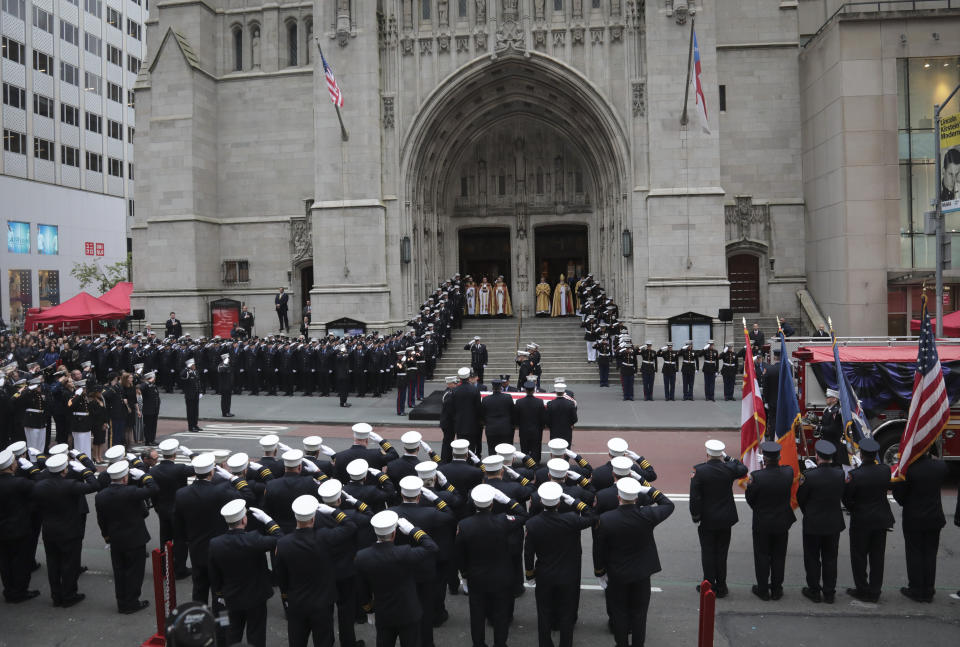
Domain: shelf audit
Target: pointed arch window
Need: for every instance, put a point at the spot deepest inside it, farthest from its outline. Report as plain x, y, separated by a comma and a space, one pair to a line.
237, 48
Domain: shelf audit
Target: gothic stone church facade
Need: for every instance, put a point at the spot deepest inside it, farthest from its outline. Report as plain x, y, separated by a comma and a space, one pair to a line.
513, 137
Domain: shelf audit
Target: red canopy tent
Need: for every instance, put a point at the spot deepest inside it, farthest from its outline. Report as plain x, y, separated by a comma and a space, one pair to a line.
951, 324
119, 296
79, 314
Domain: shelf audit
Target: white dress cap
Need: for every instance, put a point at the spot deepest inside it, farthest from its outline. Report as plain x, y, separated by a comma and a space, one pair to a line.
550, 493
617, 446
426, 470
557, 467
118, 470
357, 469
460, 446
56, 463
463, 373
361, 430
622, 466
17, 448
411, 439
203, 464
628, 488
115, 453
557, 446
292, 458
169, 446
269, 442
330, 490
482, 495
312, 443
493, 464
559, 387
305, 507
6, 459
410, 486
715, 447
221, 456
238, 462
384, 523
62, 448
234, 511
507, 451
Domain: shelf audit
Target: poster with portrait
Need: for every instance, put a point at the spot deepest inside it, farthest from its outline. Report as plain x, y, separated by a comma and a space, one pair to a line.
950, 163
49, 288
18, 237
21, 293
48, 240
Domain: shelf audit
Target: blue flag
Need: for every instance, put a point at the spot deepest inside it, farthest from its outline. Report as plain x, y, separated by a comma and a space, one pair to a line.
788, 409
855, 425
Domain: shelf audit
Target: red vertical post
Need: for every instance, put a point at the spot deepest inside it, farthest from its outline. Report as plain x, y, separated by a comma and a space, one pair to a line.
164, 592
708, 601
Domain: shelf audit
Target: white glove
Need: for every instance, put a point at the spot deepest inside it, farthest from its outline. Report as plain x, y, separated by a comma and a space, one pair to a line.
32, 453
374, 472
809, 463
500, 497
646, 489
349, 498
371, 619
327, 451
463, 586
131, 456
186, 451
569, 453
532, 582
224, 473
512, 473
74, 452
473, 457
375, 437
566, 498
441, 479
425, 446
323, 508
283, 448
260, 516
24, 463
256, 466
603, 582
633, 455
309, 466
574, 475
136, 474
77, 466
79, 391
404, 525
428, 494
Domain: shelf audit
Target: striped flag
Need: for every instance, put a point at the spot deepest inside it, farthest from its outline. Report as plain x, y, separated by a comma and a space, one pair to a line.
929, 407
855, 425
698, 86
753, 418
335, 95
787, 424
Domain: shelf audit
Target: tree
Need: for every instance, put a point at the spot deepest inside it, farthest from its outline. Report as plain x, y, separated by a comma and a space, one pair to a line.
91, 274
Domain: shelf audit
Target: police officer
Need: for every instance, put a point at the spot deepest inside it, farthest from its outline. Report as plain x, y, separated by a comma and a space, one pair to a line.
602, 476
467, 411
225, 374
728, 371
819, 496
669, 369
120, 514
281, 492
710, 359
499, 416
342, 372
689, 365
768, 494
561, 414
478, 356
831, 427
190, 383
531, 419
461, 473
17, 544
170, 477
865, 496
714, 512
376, 457
446, 416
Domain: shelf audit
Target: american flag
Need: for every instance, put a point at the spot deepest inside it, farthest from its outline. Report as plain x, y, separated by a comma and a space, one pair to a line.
929, 408
335, 95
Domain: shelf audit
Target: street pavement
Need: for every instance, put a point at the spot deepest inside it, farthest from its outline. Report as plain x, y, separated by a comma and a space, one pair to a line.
742, 619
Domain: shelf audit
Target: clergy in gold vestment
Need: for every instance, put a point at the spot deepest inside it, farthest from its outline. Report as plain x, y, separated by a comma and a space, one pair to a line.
562, 299
484, 298
543, 297
501, 298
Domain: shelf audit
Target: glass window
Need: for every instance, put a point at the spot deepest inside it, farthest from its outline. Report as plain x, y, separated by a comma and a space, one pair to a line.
92, 82
43, 106
69, 156
92, 44
42, 62
43, 149
13, 50
237, 49
16, 8
69, 115
94, 7
114, 92
14, 142
94, 162
425, 9
42, 19
114, 18
69, 32
69, 73
292, 44
14, 96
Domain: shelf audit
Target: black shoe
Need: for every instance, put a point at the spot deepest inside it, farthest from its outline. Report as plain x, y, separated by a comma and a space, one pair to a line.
829, 598
229, 415
857, 594
140, 606
813, 596
69, 602
763, 595
910, 593
346, 404
83, 569
28, 595
776, 594
722, 591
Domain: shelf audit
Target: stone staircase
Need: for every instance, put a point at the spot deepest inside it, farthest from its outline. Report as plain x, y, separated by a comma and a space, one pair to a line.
562, 348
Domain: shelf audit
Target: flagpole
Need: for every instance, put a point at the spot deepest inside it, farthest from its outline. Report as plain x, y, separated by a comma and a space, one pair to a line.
344, 136
686, 87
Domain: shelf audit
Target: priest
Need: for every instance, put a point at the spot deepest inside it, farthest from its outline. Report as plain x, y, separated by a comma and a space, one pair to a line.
543, 297
470, 297
562, 299
501, 298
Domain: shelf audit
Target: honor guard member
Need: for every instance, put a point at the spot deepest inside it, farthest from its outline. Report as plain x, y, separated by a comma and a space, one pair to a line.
831, 427
269, 444
865, 496
625, 556
170, 477
375, 457
531, 419
710, 360
603, 361
628, 369
403, 382
238, 571
689, 365
467, 411
388, 578
225, 373
478, 356
121, 509
484, 559
922, 519
446, 416
648, 369
281, 492
406, 465
669, 369
561, 415
728, 371
304, 561
552, 555
768, 494
714, 511
341, 373
499, 416
463, 475
602, 476
558, 471
819, 497
435, 481
312, 448
17, 544
190, 383
560, 448
59, 501
606, 498
369, 485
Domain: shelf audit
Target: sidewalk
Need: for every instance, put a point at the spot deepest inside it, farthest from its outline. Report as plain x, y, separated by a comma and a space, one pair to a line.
598, 408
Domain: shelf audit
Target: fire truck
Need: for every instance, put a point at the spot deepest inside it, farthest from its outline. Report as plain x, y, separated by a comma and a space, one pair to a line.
883, 379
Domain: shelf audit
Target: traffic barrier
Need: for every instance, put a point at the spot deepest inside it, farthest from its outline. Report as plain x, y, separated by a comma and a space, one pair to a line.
164, 592
708, 608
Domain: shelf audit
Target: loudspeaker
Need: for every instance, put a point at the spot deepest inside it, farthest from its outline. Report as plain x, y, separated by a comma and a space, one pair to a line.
139, 315
725, 314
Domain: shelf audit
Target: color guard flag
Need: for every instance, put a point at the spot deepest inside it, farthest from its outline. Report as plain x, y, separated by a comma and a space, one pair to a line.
698, 87
788, 419
753, 418
855, 425
335, 95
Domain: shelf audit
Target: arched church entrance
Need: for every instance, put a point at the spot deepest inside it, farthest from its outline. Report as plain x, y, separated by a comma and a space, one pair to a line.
485, 251
561, 249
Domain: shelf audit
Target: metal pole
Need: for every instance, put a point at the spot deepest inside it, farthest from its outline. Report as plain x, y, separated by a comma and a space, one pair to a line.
686, 87
939, 218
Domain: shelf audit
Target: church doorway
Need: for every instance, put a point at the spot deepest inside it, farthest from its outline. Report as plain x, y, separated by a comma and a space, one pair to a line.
561, 249
485, 251
306, 284
743, 271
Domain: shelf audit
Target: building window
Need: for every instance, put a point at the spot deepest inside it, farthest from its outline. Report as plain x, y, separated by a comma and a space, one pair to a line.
130, 208
236, 271
130, 101
42, 62
16, 8
69, 156
114, 55
425, 9
723, 98
93, 7
463, 187
114, 18
462, 8
292, 44
501, 184
130, 131
43, 149
133, 63
133, 29
921, 83
307, 42
94, 122
92, 44
114, 92
92, 82
237, 49
69, 74
43, 106
69, 32
94, 162
42, 19
558, 5
114, 129
115, 167
14, 142
69, 115
14, 97
578, 181
13, 50
130, 170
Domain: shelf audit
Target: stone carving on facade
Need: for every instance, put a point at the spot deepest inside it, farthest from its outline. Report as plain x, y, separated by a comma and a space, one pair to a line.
680, 10
577, 35
463, 44
443, 14
540, 38
538, 9
747, 222
596, 35
343, 22
639, 90
255, 47
443, 42
406, 45
510, 35
426, 46
301, 235
481, 11
616, 33
559, 37
510, 10
481, 39
388, 112
635, 13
